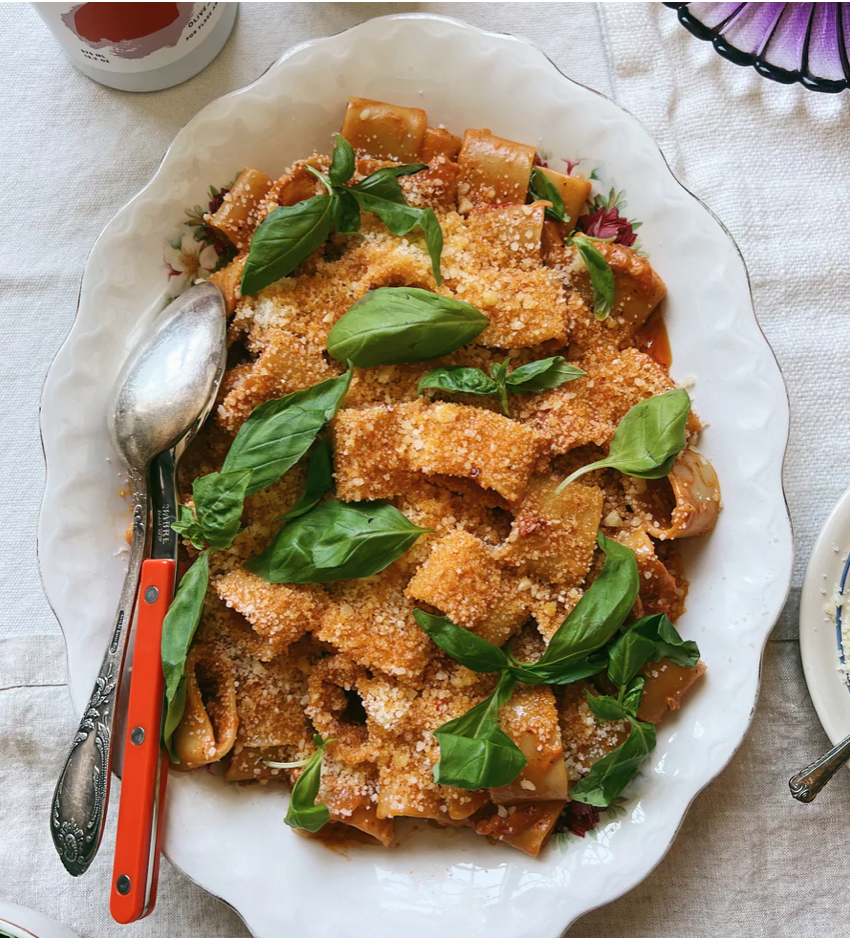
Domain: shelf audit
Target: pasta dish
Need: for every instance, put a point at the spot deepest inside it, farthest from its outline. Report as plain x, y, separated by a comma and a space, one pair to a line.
431, 532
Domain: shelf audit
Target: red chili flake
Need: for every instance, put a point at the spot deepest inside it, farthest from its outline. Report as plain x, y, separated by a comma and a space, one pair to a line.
578, 818
608, 223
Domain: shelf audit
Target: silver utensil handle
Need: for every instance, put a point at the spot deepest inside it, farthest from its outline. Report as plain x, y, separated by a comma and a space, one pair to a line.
808, 782
78, 810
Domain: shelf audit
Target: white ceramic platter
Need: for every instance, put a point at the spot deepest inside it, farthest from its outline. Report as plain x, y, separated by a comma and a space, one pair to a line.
232, 840
820, 634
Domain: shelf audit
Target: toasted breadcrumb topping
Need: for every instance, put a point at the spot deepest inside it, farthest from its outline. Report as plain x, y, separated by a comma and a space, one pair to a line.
509, 556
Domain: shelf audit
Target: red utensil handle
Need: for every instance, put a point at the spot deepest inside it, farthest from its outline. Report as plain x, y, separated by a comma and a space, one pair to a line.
137, 842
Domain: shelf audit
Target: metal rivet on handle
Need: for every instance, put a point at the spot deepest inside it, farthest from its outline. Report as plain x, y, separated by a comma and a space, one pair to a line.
151, 594
122, 884
137, 737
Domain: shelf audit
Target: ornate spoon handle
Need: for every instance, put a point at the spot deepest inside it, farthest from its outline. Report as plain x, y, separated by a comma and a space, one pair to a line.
808, 782
78, 810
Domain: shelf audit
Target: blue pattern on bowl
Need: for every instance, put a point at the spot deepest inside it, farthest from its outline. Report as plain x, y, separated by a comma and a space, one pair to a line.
838, 636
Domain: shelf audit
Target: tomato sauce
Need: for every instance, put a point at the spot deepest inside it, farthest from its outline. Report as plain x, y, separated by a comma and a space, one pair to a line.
653, 340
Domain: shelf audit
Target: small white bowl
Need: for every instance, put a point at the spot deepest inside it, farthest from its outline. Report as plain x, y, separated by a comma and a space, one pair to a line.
16, 921
820, 633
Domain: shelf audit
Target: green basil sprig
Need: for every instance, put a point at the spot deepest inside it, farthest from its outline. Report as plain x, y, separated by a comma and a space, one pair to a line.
343, 163
648, 639
527, 379
279, 432
572, 654
381, 194
601, 277
478, 654
542, 375
303, 813
647, 440
320, 480
187, 526
276, 435
474, 752
610, 775
595, 619
466, 647
392, 325
336, 541
219, 498
346, 212
541, 187
289, 234
178, 630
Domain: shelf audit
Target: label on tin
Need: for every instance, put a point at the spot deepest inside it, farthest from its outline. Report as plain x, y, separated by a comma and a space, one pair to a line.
130, 37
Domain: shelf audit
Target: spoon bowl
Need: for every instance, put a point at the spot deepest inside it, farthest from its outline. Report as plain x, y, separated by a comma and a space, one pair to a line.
167, 385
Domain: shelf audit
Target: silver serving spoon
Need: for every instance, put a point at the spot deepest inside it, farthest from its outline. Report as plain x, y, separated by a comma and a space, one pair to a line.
807, 783
164, 393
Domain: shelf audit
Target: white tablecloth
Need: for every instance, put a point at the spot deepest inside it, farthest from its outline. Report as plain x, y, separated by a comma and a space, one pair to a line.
771, 161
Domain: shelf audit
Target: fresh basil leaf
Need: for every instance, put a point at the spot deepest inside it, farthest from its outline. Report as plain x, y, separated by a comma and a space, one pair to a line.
346, 212
382, 195
430, 225
284, 239
499, 371
323, 179
342, 161
479, 655
610, 775
601, 278
648, 639
596, 617
320, 480
474, 752
673, 647
336, 541
647, 440
541, 187
187, 526
465, 647
303, 813
279, 432
458, 381
392, 325
542, 375
527, 379
383, 185
634, 694
567, 674
605, 708
219, 498
178, 630
628, 654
